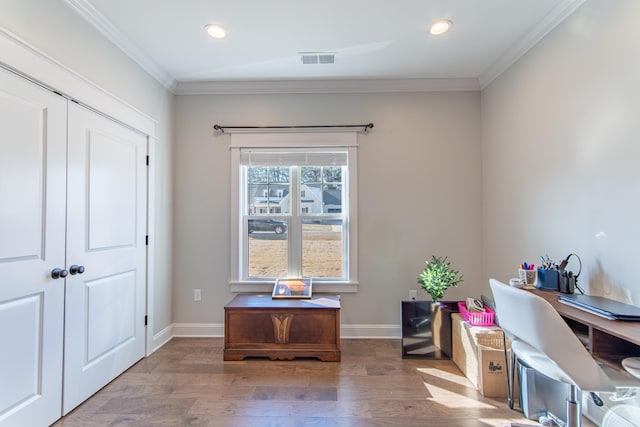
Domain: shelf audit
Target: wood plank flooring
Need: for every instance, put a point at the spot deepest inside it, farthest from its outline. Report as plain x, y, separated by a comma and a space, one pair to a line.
186, 383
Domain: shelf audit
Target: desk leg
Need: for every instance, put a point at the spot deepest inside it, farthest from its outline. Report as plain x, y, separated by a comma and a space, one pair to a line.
574, 415
511, 373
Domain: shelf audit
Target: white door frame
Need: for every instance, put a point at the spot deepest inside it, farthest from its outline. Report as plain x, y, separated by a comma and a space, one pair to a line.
27, 61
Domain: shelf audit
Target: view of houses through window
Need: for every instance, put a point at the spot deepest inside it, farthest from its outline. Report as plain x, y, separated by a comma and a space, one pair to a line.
295, 221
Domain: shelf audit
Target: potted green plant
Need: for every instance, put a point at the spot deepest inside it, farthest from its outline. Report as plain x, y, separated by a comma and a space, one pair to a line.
438, 276
427, 330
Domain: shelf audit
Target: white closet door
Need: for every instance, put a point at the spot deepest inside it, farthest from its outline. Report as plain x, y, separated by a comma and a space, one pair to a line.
106, 229
32, 243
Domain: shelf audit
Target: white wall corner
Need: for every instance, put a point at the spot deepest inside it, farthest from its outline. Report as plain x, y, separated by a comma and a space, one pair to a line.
96, 19
161, 338
26, 60
522, 46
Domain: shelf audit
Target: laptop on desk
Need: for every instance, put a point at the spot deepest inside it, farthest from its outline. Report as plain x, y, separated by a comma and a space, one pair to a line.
603, 307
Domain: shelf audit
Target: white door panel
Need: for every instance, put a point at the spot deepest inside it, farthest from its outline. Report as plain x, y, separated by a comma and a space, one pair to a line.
105, 306
113, 164
21, 225
110, 314
21, 364
32, 243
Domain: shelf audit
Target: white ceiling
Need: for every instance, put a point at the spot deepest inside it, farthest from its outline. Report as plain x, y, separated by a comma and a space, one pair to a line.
372, 39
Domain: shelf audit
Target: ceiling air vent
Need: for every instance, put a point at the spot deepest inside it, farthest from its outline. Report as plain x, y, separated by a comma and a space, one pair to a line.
327, 59
317, 58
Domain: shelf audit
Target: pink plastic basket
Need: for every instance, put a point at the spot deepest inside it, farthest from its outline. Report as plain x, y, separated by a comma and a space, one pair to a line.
476, 318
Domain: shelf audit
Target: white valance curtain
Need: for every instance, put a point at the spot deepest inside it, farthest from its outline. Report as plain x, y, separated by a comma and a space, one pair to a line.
294, 157
294, 149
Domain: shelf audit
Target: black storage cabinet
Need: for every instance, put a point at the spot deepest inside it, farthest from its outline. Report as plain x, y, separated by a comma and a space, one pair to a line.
426, 329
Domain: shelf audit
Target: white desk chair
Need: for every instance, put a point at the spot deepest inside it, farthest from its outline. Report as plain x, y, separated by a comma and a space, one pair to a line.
544, 341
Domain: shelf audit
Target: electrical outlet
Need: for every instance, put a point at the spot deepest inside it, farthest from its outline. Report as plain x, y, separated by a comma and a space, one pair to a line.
413, 295
197, 295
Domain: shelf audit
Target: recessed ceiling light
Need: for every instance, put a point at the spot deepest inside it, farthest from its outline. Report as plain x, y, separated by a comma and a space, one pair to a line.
215, 31
440, 26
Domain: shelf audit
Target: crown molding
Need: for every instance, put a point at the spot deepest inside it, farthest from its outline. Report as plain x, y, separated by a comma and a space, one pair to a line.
325, 86
24, 59
87, 11
552, 20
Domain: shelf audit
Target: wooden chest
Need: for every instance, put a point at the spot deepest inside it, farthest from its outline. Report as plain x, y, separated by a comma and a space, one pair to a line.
282, 329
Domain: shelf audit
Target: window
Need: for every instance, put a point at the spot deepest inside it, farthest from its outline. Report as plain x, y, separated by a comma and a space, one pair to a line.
294, 209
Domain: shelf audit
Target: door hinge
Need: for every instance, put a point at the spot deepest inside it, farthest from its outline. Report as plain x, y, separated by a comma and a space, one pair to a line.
146, 320
147, 160
146, 240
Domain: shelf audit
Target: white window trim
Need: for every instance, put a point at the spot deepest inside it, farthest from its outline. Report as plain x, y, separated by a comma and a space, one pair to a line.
346, 140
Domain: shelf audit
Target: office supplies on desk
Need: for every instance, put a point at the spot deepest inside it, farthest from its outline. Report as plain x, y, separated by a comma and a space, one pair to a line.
547, 279
604, 307
516, 283
528, 277
554, 276
527, 266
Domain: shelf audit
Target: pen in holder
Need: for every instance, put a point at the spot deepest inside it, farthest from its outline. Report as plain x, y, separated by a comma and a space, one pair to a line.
528, 277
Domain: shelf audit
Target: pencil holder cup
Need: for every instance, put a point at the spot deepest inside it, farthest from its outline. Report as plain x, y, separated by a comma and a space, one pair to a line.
528, 277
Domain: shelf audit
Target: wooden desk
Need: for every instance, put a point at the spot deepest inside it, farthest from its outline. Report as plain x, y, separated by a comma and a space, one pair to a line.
259, 326
608, 340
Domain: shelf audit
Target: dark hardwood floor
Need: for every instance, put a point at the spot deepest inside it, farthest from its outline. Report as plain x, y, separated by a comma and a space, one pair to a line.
186, 383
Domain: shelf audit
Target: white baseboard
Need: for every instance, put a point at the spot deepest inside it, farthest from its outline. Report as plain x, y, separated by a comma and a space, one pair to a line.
161, 338
371, 331
198, 330
216, 330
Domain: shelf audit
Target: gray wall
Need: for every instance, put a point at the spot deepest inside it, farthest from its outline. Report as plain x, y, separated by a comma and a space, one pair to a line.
561, 145
556, 172
54, 29
419, 193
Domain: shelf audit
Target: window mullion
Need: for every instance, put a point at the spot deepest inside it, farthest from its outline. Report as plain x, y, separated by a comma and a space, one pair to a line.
346, 215
295, 236
244, 241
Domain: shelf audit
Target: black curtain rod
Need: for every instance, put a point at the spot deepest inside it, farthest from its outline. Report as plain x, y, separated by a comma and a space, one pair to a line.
365, 128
